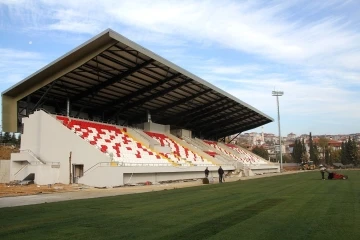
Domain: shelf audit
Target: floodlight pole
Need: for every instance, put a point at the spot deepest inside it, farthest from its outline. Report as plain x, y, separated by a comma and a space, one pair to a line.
277, 94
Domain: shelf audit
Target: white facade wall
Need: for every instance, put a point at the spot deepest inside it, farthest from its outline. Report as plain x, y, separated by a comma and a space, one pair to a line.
4, 171
51, 141
117, 176
44, 174
154, 127
18, 170
181, 133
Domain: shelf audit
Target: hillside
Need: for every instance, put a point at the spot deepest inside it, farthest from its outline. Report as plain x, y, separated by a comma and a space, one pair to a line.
5, 152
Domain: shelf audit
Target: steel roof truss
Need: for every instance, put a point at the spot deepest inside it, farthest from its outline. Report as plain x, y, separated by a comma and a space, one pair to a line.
149, 98
184, 100
141, 91
111, 81
227, 121
46, 92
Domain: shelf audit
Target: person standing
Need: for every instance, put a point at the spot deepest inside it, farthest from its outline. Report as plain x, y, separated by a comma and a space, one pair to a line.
207, 172
221, 173
322, 170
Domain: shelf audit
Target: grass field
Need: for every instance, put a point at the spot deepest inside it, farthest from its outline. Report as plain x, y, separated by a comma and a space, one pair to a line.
297, 206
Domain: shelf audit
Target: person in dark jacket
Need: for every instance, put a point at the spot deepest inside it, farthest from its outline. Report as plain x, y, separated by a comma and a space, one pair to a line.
322, 170
221, 173
206, 172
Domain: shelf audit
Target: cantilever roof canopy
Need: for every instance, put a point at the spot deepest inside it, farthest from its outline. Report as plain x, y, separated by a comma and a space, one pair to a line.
114, 79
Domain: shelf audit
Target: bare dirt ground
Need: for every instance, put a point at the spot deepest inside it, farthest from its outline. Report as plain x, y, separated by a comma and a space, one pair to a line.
32, 189
5, 152
292, 168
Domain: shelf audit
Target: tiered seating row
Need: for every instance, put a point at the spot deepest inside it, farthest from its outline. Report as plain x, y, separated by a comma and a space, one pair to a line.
178, 152
112, 141
215, 145
252, 158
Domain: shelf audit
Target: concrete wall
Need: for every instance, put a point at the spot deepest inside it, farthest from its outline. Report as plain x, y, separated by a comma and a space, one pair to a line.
4, 171
19, 170
181, 133
51, 141
103, 177
108, 176
44, 173
159, 177
154, 127
136, 135
146, 140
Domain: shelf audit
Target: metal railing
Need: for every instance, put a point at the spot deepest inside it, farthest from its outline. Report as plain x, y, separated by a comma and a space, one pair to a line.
33, 155
21, 169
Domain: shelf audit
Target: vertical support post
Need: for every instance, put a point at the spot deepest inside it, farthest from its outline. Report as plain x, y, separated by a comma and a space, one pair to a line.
148, 116
28, 100
277, 94
278, 110
68, 107
70, 175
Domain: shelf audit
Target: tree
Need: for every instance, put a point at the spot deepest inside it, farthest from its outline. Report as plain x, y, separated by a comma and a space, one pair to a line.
323, 144
316, 155
297, 153
313, 151
13, 139
260, 151
19, 140
343, 153
335, 156
349, 151
327, 156
304, 150
287, 158
356, 152
6, 137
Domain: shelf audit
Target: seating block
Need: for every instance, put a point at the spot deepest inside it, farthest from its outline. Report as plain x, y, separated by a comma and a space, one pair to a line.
113, 141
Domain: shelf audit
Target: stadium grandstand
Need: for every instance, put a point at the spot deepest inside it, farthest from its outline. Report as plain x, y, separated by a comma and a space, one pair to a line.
111, 112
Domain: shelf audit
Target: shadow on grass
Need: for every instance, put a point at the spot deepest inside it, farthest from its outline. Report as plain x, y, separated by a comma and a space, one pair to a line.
212, 227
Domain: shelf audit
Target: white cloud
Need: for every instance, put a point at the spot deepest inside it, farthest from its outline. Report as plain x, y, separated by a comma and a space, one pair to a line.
310, 50
15, 64
232, 70
253, 27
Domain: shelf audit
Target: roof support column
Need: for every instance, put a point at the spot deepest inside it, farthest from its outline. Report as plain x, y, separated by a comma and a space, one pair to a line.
68, 107
234, 137
28, 101
40, 103
148, 116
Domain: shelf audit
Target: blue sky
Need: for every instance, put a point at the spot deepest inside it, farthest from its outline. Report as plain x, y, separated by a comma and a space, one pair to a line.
308, 49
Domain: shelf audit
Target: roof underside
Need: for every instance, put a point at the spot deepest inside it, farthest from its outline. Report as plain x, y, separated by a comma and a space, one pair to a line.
122, 83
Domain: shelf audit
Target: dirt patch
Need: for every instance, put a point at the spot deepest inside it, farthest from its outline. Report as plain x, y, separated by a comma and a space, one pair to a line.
5, 152
22, 190
292, 168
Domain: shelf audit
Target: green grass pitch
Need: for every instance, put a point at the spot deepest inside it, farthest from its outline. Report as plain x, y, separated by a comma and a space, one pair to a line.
296, 206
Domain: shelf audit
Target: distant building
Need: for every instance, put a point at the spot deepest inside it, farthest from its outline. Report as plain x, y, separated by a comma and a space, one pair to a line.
333, 144
291, 136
